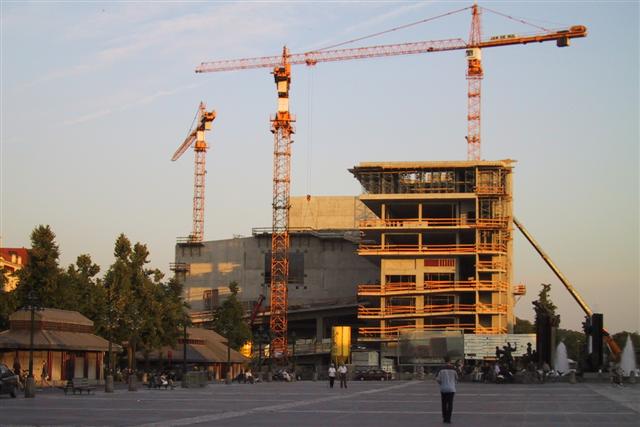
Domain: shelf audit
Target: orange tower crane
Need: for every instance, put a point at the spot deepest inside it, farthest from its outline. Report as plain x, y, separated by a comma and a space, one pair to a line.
204, 121
282, 129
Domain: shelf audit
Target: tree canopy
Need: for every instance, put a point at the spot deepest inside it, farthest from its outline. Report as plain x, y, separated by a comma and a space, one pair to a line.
543, 306
146, 311
228, 320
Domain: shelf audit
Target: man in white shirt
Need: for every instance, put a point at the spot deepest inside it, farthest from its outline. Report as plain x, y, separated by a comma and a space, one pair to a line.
342, 370
332, 375
447, 378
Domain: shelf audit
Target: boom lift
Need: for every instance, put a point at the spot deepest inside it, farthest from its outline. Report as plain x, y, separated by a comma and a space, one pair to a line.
593, 319
281, 123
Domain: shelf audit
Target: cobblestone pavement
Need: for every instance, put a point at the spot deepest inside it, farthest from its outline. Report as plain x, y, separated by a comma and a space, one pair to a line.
370, 404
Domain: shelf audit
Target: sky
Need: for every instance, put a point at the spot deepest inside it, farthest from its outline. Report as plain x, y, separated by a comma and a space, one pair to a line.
96, 97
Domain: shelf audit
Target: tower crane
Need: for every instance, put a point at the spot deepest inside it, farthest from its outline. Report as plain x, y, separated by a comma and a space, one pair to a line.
281, 123
204, 121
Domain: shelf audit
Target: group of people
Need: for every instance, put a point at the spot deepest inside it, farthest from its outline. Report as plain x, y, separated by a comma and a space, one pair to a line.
164, 379
341, 371
245, 377
22, 374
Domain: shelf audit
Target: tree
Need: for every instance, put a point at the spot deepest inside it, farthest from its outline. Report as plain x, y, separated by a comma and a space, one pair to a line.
545, 307
228, 320
42, 273
7, 306
87, 295
523, 326
146, 312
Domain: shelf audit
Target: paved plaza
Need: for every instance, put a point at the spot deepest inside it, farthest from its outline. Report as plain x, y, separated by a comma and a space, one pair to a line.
370, 404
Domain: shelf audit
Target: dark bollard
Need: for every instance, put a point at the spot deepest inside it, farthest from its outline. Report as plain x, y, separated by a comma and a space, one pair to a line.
108, 384
30, 387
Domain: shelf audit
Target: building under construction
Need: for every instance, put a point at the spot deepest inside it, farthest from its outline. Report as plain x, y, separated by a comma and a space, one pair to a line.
442, 241
426, 247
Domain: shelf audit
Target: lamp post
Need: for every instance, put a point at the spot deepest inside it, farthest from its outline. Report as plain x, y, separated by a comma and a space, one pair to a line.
32, 305
185, 321
293, 340
133, 342
259, 338
228, 376
108, 381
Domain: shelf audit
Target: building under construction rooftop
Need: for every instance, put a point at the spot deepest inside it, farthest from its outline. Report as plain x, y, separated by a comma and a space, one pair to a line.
442, 241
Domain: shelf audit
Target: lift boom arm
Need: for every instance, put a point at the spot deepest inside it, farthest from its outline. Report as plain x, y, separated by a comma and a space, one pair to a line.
615, 349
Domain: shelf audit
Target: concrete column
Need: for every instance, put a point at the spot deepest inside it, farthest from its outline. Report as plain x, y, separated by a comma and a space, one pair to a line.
319, 328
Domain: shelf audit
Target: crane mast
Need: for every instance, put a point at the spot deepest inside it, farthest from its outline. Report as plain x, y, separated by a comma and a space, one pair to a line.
474, 81
282, 129
196, 138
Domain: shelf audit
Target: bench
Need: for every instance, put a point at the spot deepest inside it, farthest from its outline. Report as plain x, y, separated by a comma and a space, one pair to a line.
78, 384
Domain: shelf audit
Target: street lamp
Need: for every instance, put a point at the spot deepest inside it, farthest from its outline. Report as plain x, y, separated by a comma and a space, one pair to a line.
108, 381
185, 323
133, 342
228, 379
33, 304
293, 340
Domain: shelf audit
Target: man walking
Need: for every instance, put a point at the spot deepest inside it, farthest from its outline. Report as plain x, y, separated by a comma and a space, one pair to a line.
332, 375
447, 378
342, 370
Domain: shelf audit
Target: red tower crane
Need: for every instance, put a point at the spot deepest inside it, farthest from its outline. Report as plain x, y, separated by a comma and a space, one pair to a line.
282, 128
204, 120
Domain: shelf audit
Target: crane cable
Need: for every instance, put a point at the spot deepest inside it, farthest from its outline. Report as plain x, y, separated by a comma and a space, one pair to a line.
309, 128
422, 21
194, 120
401, 27
513, 18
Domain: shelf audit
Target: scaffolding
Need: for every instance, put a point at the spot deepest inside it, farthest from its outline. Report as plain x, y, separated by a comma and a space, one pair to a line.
443, 240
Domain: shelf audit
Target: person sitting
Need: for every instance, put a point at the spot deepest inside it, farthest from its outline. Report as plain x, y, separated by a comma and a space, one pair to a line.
476, 375
151, 383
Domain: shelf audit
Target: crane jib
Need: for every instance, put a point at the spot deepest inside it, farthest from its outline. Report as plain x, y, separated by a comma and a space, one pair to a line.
313, 57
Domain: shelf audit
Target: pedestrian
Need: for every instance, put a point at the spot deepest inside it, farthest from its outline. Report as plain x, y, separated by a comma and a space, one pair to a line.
45, 373
342, 370
17, 369
447, 378
332, 375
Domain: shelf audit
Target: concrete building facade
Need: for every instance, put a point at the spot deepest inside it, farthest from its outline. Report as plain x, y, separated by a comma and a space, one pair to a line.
442, 241
324, 271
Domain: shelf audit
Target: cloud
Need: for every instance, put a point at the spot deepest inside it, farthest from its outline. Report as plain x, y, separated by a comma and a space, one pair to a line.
165, 36
143, 100
371, 22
